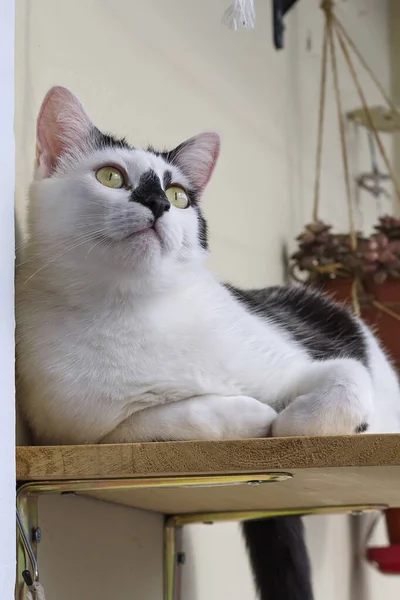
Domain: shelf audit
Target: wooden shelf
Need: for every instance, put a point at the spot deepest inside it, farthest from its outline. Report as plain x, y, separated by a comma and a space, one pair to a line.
330, 471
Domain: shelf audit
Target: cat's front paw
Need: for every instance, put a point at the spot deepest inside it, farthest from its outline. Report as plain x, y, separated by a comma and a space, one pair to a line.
336, 398
309, 415
242, 417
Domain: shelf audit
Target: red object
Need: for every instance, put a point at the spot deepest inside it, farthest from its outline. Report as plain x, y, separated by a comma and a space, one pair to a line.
393, 525
386, 559
386, 327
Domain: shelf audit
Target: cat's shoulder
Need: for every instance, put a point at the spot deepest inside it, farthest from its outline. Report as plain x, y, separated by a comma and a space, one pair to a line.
284, 297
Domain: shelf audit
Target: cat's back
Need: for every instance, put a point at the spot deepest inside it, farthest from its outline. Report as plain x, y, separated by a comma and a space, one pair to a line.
326, 329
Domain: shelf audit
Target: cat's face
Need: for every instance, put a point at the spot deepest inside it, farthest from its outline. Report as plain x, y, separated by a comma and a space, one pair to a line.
97, 199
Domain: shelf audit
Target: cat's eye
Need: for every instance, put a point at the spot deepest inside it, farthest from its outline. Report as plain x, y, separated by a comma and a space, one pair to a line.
110, 177
177, 196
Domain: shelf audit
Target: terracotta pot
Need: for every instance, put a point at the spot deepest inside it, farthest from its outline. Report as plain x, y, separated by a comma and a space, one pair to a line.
385, 326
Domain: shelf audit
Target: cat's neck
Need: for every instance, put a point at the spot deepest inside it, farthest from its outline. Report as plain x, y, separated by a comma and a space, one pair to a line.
93, 286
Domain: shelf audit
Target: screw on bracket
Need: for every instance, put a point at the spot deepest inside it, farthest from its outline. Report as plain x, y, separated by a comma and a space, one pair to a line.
37, 535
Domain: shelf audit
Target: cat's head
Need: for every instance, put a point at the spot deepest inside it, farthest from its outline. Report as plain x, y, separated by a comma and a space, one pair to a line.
96, 198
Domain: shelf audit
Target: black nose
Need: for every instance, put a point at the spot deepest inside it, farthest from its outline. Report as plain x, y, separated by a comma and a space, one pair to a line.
158, 205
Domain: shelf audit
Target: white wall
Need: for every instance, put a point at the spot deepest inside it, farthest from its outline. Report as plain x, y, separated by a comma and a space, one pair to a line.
7, 410
158, 72
394, 29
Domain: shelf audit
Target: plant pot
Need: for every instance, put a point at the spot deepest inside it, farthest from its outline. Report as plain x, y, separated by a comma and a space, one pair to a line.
384, 325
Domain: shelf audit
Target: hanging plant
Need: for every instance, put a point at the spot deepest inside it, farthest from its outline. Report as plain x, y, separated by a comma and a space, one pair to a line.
351, 266
323, 255
363, 271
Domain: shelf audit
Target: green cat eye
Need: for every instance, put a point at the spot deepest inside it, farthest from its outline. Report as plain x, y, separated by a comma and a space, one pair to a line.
177, 196
110, 177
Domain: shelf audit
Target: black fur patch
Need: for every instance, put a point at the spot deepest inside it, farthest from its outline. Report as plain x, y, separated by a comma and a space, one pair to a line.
203, 231
149, 193
279, 558
155, 151
167, 155
326, 329
362, 428
106, 140
170, 157
167, 179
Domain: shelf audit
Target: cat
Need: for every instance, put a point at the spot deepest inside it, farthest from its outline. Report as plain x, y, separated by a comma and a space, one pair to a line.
124, 335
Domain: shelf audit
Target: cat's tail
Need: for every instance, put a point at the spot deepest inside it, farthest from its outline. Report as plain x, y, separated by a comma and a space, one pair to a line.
279, 558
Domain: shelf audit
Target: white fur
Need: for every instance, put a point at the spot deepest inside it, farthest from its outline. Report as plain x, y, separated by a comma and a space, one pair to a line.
126, 336
94, 353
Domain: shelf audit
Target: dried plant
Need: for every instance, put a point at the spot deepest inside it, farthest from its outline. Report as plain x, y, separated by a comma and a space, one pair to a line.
327, 255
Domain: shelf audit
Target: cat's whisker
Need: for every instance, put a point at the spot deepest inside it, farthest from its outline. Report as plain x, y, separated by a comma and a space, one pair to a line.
33, 257
33, 240
54, 259
79, 242
94, 245
102, 205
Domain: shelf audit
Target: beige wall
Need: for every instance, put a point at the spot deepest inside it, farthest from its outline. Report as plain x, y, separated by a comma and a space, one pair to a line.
394, 36
158, 72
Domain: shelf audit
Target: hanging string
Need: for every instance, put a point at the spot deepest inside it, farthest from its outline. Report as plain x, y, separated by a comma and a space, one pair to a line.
33, 588
368, 113
343, 145
35, 592
321, 116
385, 309
388, 100
327, 6
30, 589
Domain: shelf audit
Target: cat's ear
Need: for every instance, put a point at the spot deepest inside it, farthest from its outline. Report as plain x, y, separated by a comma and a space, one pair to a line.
197, 158
62, 126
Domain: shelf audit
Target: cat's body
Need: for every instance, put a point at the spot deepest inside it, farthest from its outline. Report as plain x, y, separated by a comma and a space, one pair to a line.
106, 358
123, 335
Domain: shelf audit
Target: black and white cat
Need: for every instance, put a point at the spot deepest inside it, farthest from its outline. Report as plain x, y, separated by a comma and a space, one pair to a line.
123, 335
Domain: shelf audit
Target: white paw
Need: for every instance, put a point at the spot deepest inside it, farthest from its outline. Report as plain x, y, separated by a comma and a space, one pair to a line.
233, 417
249, 418
335, 398
327, 412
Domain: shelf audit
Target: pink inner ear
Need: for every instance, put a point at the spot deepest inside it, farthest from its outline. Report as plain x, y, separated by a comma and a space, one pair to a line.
197, 157
62, 126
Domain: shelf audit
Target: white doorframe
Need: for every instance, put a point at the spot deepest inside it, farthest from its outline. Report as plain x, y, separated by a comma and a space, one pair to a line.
7, 319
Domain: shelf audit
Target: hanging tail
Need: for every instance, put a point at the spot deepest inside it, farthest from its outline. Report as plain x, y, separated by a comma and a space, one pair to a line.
279, 558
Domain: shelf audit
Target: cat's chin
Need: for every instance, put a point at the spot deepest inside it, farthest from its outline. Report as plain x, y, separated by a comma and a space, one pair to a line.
145, 231
145, 247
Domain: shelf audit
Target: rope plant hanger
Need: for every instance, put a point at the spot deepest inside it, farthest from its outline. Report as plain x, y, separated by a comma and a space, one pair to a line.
322, 254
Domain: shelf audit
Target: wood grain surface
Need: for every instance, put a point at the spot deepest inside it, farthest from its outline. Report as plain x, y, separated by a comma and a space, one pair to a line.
185, 458
329, 471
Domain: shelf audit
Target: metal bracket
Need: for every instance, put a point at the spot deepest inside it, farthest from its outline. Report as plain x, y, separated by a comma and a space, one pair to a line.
279, 10
27, 524
27, 502
383, 118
